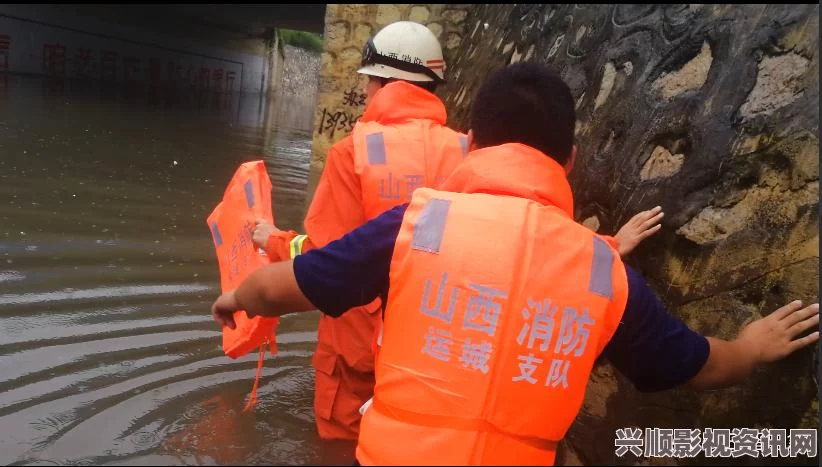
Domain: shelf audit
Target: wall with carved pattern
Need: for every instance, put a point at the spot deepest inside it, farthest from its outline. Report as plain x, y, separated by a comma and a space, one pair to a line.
710, 111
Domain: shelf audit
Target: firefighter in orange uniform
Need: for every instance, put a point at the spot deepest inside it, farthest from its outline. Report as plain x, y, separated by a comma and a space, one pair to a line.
401, 143
498, 303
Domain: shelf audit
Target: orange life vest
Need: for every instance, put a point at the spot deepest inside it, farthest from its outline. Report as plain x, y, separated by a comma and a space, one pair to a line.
246, 199
393, 158
395, 153
499, 303
400, 142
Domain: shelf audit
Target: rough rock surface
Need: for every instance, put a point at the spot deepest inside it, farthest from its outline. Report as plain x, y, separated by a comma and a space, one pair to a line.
712, 112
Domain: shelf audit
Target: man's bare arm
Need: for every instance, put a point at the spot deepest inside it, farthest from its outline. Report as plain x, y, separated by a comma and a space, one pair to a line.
269, 291
763, 341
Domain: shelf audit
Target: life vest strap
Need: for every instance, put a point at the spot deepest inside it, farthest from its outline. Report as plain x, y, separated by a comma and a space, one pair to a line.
252, 399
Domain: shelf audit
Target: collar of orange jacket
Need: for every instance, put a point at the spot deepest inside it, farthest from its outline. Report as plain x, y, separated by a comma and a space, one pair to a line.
513, 169
399, 101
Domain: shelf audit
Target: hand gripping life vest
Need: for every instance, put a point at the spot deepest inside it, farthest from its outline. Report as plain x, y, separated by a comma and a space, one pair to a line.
246, 199
497, 309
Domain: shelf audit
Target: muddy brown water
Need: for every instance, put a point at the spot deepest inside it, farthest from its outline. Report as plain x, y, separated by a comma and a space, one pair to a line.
108, 354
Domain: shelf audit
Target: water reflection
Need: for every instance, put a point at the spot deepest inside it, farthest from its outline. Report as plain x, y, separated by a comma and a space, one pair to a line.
107, 354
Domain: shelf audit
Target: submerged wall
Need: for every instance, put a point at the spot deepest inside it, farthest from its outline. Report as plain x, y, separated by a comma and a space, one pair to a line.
295, 96
107, 45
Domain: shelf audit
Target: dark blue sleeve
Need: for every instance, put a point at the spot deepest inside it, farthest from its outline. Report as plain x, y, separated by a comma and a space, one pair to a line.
652, 348
353, 270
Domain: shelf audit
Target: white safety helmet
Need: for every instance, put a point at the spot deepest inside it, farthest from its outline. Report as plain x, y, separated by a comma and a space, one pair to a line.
404, 50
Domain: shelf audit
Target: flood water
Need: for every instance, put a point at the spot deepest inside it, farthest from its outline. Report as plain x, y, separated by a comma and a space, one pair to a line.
108, 354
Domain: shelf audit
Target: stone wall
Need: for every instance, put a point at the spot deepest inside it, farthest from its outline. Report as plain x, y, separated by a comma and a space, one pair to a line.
347, 27
712, 112
301, 72
295, 98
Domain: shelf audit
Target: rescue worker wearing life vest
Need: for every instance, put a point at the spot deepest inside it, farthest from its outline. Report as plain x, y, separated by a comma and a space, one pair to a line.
399, 144
498, 303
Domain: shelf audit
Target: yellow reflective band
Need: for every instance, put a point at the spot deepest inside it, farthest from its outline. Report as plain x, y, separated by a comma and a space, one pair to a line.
296, 245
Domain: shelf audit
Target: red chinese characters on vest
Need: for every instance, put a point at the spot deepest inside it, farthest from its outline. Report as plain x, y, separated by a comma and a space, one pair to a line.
247, 198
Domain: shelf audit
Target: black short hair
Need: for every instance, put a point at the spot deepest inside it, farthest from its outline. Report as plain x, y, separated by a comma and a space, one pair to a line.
525, 103
429, 86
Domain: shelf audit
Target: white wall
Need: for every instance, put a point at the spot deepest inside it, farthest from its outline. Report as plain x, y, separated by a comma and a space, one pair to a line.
46, 39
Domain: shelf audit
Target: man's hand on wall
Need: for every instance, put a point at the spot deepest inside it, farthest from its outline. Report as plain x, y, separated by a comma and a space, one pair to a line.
640, 227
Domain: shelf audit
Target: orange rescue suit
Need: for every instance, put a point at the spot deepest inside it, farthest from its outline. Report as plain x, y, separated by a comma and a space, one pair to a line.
400, 144
499, 303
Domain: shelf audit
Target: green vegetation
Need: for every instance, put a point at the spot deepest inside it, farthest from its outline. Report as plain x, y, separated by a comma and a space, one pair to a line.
302, 39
